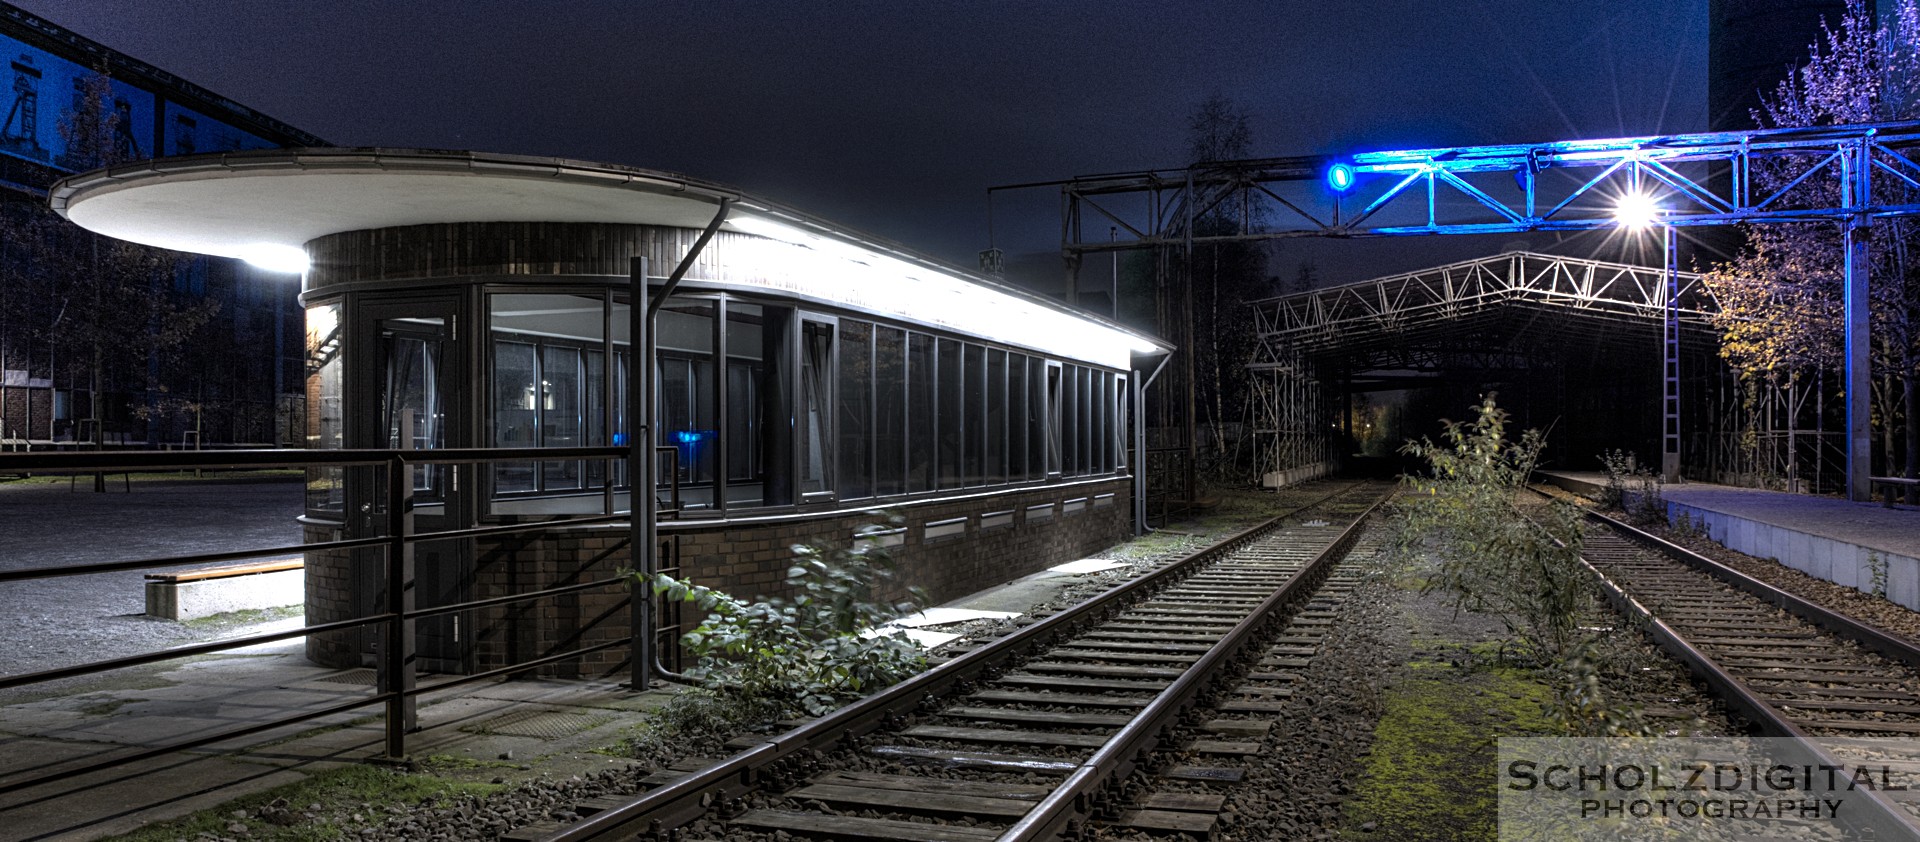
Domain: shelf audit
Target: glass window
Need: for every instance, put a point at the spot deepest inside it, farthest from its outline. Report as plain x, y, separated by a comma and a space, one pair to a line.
1016, 417
950, 419
1037, 425
996, 430
326, 418
562, 390
1054, 411
685, 395
549, 386
855, 390
1083, 420
816, 400
921, 439
890, 411
975, 407
1122, 422
516, 412
759, 407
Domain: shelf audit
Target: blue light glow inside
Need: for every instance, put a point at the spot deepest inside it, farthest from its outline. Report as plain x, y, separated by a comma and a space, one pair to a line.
1340, 177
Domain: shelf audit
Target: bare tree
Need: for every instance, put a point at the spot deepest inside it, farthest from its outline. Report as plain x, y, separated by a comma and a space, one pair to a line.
1223, 277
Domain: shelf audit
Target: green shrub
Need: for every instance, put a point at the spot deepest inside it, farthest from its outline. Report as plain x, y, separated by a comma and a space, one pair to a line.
812, 653
1491, 558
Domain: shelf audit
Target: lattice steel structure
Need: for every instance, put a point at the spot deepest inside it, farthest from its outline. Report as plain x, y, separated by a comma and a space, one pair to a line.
1507, 314
1847, 175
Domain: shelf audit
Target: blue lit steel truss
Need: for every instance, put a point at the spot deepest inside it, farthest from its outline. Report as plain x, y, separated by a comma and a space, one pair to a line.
1848, 175
1560, 186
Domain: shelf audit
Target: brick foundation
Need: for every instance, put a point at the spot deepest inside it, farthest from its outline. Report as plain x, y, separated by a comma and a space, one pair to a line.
977, 542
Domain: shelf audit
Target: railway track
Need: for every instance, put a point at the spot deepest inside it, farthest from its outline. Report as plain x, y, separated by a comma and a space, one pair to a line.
1128, 710
1793, 668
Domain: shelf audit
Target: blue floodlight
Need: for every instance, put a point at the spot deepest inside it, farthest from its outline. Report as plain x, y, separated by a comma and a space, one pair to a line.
1340, 177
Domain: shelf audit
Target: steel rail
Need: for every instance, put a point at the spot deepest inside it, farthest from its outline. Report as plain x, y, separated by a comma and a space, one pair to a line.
1882, 817
1891, 647
681, 801
1073, 802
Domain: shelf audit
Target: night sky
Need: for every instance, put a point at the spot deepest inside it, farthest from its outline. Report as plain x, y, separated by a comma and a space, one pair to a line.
895, 117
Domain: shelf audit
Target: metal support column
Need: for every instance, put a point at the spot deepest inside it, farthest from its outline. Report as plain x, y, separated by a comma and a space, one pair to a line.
1855, 169
1670, 364
643, 508
641, 512
396, 655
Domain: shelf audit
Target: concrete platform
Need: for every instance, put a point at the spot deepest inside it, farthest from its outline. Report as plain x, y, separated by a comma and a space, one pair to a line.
1837, 540
547, 727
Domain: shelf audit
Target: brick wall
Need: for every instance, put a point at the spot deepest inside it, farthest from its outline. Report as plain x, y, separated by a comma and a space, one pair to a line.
950, 548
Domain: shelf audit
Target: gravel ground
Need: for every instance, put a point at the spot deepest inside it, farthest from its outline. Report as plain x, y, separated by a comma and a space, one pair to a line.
49, 623
1874, 610
551, 798
1877, 611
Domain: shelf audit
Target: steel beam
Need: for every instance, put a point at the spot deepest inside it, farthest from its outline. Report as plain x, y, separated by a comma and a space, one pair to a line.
1856, 195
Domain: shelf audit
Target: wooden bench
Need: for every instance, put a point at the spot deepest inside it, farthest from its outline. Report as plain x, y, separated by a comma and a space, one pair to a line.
187, 594
1888, 485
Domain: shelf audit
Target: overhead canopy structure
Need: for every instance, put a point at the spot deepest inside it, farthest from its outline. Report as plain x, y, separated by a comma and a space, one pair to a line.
1486, 304
1490, 318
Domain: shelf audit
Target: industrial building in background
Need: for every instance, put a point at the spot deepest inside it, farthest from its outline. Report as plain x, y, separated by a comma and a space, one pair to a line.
230, 374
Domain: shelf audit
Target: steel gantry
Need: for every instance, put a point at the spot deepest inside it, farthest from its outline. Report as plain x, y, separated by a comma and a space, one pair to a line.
1848, 175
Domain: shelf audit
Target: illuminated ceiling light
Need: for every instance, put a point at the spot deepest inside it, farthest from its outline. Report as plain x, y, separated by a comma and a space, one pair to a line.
764, 227
274, 257
1636, 210
1340, 177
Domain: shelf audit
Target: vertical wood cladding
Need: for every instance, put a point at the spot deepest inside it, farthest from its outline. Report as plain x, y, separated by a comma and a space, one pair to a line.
746, 560
453, 250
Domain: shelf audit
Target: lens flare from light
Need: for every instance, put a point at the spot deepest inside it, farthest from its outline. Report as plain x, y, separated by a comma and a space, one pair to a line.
1636, 210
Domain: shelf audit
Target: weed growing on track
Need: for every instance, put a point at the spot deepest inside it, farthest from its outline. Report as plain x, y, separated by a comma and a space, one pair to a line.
1523, 569
1632, 488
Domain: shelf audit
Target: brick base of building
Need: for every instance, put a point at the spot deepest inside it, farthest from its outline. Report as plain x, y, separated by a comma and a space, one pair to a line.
948, 547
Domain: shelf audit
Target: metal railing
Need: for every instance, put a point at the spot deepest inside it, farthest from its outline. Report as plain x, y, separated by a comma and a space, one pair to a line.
397, 689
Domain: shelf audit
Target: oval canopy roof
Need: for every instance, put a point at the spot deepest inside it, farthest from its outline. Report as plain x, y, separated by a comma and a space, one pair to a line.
231, 204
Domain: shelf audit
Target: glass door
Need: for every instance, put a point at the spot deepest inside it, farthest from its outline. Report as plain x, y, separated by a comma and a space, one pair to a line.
415, 384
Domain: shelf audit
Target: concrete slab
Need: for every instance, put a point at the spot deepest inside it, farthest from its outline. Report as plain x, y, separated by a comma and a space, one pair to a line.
1086, 565
1834, 539
943, 616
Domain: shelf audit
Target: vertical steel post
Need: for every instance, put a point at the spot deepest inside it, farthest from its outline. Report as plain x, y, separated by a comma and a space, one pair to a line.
1670, 362
1138, 382
1854, 171
641, 514
396, 656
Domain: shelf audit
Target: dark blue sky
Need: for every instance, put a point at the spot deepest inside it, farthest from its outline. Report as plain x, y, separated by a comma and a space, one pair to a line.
895, 117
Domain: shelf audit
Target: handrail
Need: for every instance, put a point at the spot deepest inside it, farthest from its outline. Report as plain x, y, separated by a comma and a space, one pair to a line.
682, 800
396, 689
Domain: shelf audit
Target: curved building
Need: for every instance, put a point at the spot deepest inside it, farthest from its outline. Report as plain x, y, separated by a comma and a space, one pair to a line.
804, 376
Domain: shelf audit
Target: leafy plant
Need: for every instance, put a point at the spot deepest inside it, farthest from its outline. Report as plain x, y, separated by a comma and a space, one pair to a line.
809, 654
1492, 559
1632, 488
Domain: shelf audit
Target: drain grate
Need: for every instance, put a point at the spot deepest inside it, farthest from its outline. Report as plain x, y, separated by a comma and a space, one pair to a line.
361, 677
545, 724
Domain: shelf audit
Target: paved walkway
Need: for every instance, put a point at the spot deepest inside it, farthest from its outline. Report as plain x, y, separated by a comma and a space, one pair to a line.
547, 727
1890, 530
50, 623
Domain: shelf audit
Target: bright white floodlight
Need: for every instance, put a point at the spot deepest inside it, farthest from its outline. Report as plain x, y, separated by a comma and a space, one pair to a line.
274, 257
1636, 210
